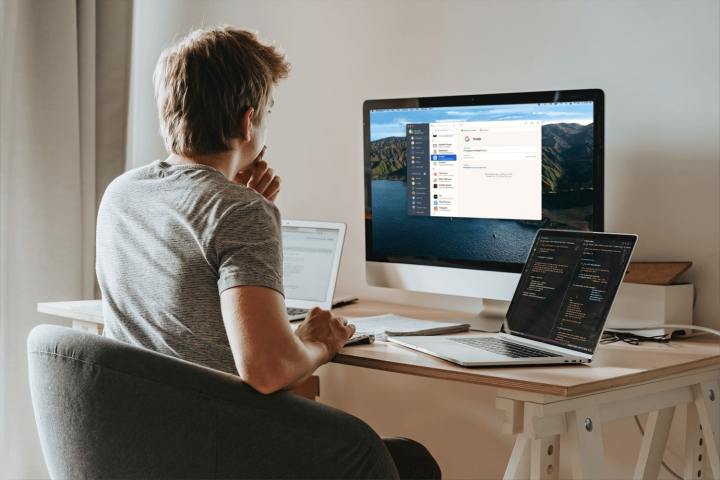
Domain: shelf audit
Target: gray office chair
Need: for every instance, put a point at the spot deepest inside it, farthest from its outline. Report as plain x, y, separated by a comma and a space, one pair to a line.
105, 409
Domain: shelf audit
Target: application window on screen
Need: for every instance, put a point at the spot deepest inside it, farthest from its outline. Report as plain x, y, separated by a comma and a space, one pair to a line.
476, 169
308, 255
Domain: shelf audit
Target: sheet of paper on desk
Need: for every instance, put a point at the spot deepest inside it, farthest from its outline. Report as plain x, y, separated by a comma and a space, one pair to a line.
395, 325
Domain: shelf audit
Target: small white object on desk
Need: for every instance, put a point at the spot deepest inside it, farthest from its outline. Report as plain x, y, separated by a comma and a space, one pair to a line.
639, 305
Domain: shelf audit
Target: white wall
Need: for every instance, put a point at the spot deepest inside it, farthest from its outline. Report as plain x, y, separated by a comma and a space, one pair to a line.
656, 60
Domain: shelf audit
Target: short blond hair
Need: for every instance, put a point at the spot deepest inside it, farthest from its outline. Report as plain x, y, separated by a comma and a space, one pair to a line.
206, 82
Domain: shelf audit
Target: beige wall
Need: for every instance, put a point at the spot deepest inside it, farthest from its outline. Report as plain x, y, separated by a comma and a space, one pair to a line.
656, 60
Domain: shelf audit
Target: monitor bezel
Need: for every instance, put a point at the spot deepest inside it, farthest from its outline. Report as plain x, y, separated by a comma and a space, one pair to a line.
595, 95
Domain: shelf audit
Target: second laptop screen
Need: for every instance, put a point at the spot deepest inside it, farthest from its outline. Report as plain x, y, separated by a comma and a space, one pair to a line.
308, 256
567, 288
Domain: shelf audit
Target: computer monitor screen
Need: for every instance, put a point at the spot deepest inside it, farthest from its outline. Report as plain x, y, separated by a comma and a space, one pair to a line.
465, 182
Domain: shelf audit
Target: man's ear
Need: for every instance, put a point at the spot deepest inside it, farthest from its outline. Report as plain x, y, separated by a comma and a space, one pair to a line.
246, 124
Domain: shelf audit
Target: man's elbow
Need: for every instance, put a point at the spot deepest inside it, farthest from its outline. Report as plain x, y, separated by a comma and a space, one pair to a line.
266, 386
265, 381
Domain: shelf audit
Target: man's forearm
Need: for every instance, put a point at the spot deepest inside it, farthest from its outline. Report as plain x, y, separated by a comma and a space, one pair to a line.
315, 357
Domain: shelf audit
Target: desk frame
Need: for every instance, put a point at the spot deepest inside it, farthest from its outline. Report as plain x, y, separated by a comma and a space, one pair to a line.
539, 421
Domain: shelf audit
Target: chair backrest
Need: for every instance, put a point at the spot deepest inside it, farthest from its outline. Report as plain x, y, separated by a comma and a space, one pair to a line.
106, 409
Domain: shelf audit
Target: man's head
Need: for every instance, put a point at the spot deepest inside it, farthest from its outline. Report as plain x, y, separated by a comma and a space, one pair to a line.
214, 86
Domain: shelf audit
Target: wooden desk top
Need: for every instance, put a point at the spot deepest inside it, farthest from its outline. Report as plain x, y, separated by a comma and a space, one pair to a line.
613, 366
85, 310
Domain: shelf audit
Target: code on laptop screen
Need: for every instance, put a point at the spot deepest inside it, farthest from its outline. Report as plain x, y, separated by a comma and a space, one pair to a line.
567, 288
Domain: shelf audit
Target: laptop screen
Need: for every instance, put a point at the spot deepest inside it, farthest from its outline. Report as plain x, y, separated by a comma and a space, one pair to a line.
567, 287
308, 259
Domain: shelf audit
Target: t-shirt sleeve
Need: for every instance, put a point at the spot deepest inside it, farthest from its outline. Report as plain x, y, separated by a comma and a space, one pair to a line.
248, 246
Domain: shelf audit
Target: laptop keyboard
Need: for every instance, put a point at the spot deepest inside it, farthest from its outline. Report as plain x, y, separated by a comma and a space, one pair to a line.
296, 311
502, 347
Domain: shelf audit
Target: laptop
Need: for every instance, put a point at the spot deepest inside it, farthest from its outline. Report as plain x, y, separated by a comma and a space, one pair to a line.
559, 309
311, 259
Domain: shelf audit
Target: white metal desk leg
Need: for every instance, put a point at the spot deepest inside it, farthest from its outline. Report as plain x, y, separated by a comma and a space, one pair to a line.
712, 393
518, 466
585, 429
545, 458
695, 457
706, 402
653, 444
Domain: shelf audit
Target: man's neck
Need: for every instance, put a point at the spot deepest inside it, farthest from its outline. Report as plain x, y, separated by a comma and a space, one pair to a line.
226, 162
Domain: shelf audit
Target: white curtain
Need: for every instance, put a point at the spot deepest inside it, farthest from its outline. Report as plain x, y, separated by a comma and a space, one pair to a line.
63, 109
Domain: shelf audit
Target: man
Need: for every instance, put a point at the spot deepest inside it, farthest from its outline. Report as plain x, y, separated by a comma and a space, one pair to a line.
189, 255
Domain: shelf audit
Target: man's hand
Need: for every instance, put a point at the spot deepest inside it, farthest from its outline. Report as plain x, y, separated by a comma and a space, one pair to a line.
260, 178
321, 326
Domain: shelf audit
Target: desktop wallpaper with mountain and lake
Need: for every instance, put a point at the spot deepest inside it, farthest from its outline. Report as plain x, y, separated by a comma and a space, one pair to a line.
567, 190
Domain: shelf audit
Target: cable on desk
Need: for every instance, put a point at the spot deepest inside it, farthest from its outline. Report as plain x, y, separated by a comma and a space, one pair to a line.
666, 326
631, 338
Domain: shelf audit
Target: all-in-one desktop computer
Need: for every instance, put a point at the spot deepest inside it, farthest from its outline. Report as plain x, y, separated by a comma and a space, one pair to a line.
456, 187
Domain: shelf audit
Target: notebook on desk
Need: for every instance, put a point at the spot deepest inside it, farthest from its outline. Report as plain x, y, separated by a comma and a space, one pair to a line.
559, 308
390, 324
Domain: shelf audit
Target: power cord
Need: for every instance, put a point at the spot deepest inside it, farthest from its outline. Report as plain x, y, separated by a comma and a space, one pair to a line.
631, 338
669, 325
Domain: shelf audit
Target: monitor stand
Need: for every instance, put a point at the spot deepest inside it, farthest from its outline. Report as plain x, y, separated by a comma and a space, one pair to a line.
490, 317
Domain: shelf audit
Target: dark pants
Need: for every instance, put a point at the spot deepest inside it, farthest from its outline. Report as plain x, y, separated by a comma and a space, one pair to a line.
412, 459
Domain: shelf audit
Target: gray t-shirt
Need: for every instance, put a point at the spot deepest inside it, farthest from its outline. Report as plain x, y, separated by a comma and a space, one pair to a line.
170, 239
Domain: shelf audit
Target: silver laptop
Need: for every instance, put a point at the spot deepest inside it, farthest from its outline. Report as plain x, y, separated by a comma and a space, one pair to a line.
559, 308
311, 259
